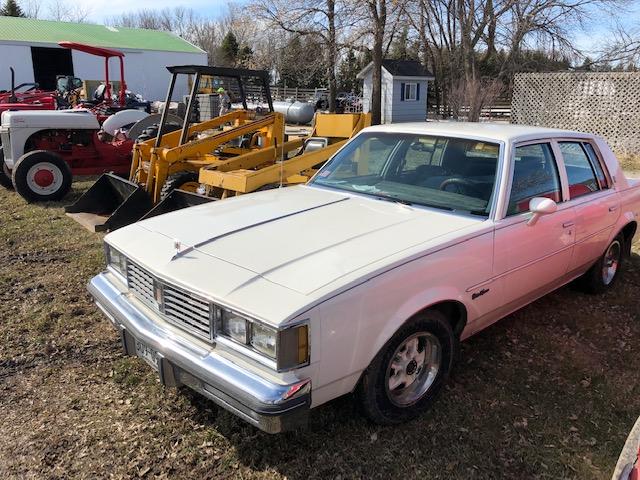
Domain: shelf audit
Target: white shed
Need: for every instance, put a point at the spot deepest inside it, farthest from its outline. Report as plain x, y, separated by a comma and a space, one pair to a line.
404, 90
30, 46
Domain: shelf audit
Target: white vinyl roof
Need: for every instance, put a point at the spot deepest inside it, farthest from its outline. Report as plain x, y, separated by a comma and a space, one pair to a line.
500, 132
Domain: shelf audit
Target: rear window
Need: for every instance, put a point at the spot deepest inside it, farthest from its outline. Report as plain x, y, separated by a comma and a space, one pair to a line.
581, 173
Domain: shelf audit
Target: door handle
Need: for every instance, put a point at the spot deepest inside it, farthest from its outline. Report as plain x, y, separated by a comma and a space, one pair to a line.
567, 224
613, 208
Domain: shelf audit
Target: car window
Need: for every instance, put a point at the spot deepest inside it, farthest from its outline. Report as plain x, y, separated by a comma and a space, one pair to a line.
535, 174
455, 174
368, 158
597, 166
580, 172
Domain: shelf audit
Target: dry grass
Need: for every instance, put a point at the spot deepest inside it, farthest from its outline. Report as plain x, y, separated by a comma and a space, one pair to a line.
630, 164
550, 392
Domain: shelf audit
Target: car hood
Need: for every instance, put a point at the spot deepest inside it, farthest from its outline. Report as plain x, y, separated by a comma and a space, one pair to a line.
302, 238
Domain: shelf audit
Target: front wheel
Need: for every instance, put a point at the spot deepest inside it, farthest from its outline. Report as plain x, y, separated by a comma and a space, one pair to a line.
41, 176
604, 273
407, 374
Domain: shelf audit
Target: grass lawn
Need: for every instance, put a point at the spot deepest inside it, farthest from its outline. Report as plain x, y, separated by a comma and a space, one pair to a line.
549, 392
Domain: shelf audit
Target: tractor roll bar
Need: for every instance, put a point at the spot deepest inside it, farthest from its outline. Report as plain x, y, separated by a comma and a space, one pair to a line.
198, 70
229, 72
107, 53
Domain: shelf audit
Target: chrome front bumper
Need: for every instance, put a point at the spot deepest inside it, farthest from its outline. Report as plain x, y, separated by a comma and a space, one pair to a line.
270, 406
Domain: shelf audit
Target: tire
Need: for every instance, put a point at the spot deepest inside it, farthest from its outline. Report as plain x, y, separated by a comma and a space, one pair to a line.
41, 176
603, 275
179, 181
382, 395
152, 131
5, 173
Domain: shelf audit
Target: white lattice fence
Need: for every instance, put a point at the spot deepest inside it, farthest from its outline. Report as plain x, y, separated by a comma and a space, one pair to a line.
606, 104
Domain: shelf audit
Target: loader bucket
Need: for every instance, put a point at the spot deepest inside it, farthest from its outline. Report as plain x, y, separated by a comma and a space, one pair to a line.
110, 203
177, 200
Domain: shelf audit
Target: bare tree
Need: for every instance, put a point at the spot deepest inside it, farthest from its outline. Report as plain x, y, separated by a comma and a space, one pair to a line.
318, 18
622, 48
31, 8
68, 12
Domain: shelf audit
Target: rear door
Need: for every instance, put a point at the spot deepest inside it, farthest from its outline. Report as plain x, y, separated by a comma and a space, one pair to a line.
530, 258
593, 197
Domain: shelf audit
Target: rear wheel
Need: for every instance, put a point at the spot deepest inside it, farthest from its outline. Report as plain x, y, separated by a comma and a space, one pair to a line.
187, 181
41, 176
5, 173
604, 273
405, 377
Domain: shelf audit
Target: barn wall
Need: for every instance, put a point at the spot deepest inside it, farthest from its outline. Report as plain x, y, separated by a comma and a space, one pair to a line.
409, 111
18, 57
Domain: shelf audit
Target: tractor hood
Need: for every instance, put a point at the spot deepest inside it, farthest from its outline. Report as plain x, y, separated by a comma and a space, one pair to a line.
302, 240
81, 118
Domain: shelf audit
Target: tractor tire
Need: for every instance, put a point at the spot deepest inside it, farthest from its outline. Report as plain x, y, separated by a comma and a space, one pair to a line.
187, 181
152, 131
41, 176
5, 173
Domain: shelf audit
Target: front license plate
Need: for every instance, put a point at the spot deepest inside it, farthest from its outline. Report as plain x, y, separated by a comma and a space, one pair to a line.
148, 354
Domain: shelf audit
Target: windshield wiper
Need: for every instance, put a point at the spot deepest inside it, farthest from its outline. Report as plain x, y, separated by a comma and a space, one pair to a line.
481, 213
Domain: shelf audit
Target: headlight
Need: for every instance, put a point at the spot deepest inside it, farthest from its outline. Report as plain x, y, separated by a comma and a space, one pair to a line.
288, 348
235, 326
264, 339
116, 260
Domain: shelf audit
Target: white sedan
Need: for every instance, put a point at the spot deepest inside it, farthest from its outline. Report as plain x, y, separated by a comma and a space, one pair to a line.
412, 238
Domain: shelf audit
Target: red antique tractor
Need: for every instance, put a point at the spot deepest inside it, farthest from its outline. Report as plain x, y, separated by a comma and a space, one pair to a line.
26, 96
42, 150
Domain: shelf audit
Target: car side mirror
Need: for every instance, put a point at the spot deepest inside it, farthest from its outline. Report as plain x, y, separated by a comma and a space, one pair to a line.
539, 206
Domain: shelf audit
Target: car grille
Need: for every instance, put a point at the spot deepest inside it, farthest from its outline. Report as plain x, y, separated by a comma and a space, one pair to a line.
177, 306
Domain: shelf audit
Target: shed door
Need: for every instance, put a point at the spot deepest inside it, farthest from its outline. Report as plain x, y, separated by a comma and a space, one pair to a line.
48, 63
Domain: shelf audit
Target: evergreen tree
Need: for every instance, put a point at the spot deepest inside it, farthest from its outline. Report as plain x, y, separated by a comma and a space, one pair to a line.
11, 9
399, 46
245, 55
230, 48
348, 71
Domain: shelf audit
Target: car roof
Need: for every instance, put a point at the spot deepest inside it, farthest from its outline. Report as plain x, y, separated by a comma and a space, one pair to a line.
499, 132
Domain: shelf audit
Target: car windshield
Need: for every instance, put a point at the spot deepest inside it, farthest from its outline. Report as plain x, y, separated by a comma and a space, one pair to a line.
456, 174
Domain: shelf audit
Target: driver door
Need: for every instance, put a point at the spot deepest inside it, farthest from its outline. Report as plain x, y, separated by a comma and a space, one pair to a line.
530, 259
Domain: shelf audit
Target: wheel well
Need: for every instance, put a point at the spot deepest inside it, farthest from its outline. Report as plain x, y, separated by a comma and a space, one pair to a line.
628, 232
454, 311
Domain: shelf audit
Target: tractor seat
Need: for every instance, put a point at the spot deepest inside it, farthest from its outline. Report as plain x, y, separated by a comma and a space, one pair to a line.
312, 144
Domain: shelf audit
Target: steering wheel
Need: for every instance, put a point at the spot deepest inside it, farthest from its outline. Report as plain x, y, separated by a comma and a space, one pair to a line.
462, 185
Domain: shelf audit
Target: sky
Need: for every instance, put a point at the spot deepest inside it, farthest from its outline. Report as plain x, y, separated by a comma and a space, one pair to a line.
594, 35
100, 10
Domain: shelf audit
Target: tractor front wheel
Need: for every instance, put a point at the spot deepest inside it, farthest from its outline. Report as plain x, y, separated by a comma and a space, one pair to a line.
187, 181
41, 176
5, 173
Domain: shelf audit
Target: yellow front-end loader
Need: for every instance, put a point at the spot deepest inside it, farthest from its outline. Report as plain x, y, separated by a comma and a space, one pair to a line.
173, 159
236, 153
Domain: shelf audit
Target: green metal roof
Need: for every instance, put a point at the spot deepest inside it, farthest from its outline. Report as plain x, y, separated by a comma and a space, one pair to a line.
30, 30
